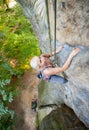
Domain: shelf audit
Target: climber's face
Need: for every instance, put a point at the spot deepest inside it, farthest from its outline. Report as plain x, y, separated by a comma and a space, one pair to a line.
43, 61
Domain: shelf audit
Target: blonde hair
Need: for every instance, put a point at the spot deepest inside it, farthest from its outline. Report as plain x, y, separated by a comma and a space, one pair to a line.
34, 63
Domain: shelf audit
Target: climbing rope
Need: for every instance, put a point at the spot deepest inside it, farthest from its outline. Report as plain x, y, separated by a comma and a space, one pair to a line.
47, 11
55, 13
65, 8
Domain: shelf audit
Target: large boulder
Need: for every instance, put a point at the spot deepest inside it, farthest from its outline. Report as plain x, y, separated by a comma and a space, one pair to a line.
63, 118
72, 29
75, 93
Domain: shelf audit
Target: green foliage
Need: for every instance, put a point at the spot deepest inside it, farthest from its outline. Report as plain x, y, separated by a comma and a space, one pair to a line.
18, 40
6, 118
2, 2
4, 110
18, 44
7, 93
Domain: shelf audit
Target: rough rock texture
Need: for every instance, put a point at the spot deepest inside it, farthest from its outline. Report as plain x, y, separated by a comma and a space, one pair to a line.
62, 118
72, 30
75, 93
72, 21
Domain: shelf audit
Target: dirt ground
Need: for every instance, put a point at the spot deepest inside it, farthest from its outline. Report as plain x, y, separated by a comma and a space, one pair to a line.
26, 117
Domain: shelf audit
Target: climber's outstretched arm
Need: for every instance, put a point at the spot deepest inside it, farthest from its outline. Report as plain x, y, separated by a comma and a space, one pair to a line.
57, 51
52, 71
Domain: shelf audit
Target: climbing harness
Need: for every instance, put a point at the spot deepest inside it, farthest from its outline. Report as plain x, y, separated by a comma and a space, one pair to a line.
52, 78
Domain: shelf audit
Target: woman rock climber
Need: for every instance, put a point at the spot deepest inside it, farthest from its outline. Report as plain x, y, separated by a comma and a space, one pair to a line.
46, 68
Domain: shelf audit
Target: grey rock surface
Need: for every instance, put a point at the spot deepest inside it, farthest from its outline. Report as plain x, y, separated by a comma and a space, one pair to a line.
72, 31
63, 118
75, 93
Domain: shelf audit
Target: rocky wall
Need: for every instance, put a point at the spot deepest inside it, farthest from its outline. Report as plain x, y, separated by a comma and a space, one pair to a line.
72, 30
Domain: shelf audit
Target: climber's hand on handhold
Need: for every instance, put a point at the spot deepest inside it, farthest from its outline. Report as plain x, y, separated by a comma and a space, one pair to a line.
75, 51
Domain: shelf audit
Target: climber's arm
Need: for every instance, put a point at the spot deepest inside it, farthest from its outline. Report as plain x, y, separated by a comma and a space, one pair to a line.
57, 51
52, 71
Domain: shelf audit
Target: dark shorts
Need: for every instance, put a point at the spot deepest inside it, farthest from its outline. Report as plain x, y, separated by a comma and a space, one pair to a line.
57, 79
